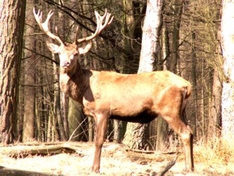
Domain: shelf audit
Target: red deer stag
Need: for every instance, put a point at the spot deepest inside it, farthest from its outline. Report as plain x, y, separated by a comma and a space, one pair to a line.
133, 98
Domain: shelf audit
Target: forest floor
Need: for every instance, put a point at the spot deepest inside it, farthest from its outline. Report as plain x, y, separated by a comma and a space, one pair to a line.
210, 159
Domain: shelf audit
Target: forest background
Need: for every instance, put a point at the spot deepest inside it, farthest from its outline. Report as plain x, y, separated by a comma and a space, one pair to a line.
190, 45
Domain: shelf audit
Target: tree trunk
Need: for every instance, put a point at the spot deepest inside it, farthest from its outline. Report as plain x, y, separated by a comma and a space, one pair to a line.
77, 122
57, 105
161, 125
136, 135
194, 83
177, 12
215, 114
29, 77
227, 30
12, 15
130, 43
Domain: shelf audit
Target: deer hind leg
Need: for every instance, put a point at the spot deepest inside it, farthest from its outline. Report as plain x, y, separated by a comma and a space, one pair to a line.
101, 124
186, 135
187, 139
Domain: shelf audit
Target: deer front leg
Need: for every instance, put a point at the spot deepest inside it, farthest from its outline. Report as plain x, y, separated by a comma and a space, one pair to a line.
101, 124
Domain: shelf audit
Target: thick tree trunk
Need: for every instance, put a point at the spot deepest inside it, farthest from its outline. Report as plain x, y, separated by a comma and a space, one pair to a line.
11, 33
227, 30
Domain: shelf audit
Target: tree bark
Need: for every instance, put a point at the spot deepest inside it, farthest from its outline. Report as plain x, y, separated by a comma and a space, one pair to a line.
177, 12
77, 122
194, 83
29, 77
215, 114
130, 43
161, 125
11, 32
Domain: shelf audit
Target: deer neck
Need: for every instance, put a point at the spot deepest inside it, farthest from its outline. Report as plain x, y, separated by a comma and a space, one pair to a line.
72, 82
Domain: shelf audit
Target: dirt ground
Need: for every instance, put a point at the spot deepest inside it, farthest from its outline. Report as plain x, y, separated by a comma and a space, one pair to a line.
117, 161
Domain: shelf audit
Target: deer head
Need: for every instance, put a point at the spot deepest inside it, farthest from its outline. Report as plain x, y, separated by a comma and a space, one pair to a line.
67, 52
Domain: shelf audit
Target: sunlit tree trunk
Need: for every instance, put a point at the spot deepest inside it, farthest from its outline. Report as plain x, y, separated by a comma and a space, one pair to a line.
12, 15
227, 30
137, 134
57, 105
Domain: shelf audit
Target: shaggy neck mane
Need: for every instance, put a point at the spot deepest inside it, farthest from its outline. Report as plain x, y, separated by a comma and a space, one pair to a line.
74, 82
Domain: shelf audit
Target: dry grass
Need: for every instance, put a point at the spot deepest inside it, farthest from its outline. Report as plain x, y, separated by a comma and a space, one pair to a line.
215, 157
213, 152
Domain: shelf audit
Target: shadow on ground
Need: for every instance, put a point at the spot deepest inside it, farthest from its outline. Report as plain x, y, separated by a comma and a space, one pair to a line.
14, 172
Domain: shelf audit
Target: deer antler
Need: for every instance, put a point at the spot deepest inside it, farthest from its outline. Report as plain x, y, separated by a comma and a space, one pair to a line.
100, 26
44, 26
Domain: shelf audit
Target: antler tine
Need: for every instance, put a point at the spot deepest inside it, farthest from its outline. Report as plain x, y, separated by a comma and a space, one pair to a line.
44, 26
77, 34
100, 26
106, 16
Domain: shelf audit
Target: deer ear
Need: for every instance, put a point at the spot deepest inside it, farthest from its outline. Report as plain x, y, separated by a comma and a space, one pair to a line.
53, 47
84, 49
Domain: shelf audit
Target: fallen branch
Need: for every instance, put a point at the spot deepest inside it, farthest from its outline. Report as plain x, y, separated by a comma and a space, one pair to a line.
166, 168
43, 149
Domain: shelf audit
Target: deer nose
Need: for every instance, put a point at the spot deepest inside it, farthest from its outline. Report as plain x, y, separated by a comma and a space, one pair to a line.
65, 64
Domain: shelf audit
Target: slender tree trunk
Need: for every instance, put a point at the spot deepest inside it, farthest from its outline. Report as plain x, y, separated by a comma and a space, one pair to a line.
161, 125
57, 107
177, 12
12, 15
29, 77
194, 83
64, 102
215, 114
129, 42
165, 46
201, 100
227, 30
